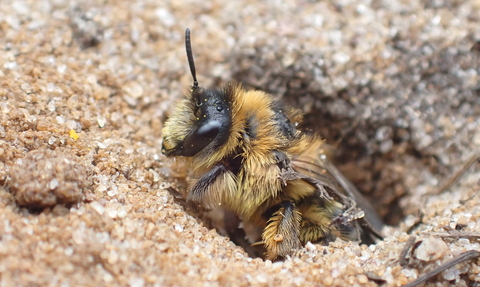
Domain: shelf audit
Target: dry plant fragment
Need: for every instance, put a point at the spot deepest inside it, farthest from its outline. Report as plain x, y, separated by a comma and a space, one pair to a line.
454, 179
45, 178
466, 256
455, 234
406, 251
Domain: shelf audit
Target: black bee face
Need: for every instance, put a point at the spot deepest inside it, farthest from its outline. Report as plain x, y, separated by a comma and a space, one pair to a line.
201, 121
210, 126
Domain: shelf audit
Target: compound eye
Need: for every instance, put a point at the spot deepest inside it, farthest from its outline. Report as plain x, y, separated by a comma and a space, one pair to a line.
200, 137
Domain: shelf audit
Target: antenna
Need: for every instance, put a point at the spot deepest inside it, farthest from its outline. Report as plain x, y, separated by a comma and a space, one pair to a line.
191, 63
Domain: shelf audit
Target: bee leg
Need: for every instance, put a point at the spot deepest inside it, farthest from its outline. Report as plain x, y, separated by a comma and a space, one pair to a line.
317, 226
206, 191
311, 231
281, 235
315, 232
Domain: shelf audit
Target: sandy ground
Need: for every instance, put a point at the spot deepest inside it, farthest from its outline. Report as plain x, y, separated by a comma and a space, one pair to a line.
85, 87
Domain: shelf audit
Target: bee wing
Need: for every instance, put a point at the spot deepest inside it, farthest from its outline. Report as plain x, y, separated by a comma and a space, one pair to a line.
326, 174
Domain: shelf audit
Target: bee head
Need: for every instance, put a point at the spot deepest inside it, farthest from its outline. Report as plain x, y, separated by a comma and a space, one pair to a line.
202, 121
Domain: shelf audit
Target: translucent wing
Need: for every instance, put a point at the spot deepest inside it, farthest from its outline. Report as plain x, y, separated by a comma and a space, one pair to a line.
320, 171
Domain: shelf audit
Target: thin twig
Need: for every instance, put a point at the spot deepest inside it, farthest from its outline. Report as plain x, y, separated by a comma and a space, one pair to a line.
459, 173
466, 256
457, 234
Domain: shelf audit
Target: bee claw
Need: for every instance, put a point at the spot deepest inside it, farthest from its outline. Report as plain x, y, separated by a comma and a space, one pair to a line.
257, 243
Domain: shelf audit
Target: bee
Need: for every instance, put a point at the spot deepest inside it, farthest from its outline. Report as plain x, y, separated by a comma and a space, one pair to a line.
250, 157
